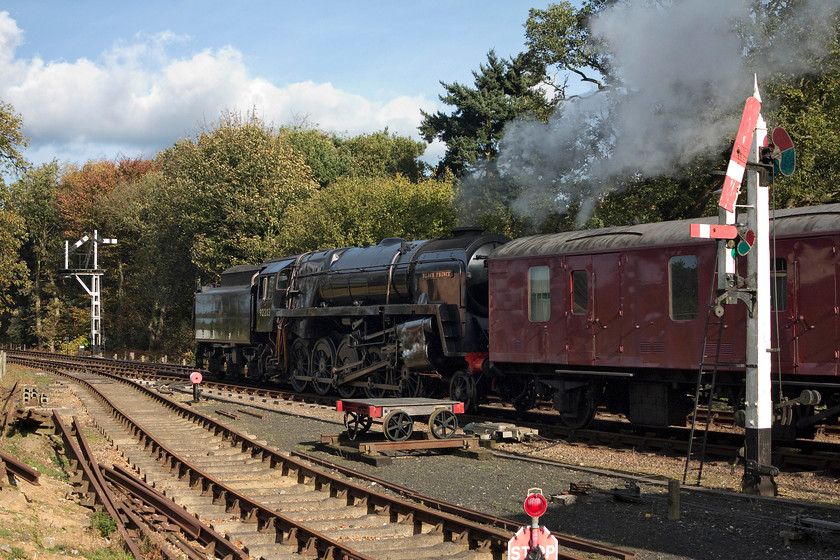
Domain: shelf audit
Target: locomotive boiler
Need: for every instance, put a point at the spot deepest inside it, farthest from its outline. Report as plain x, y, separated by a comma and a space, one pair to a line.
384, 319
619, 317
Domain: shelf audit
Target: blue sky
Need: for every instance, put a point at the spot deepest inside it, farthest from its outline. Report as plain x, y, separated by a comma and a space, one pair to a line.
95, 79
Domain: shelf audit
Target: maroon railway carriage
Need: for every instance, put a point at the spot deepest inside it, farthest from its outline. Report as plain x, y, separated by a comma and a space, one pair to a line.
617, 316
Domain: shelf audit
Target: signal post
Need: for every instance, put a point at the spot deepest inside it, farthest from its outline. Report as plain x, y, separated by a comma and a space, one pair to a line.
750, 222
758, 472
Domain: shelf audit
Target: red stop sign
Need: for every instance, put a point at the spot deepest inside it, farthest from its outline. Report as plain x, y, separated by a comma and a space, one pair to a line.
195, 377
520, 544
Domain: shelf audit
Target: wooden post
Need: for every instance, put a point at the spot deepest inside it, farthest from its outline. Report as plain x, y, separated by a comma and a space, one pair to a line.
673, 499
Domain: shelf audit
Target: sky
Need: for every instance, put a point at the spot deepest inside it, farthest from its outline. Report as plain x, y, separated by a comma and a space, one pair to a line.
105, 80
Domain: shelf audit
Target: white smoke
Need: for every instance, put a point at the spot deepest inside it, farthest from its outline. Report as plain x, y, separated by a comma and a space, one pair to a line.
684, 80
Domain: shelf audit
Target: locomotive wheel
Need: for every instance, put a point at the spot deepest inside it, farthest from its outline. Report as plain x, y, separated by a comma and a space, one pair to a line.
356, 424
346, 354
323, 360
382, 375
462, 388
443, 423
398, 426
410, 384
299, 365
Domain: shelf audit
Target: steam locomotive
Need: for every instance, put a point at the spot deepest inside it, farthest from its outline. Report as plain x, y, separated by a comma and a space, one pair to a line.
384, 319
615, 317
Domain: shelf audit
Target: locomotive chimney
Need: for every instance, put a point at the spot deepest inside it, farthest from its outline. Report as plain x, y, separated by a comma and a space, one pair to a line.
466, 231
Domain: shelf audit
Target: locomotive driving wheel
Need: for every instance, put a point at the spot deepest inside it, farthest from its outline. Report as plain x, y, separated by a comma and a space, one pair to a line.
443, 423
299, 365
380, 376
462, 388
323, 360
346, 354
398, 426
410, 384
356, 423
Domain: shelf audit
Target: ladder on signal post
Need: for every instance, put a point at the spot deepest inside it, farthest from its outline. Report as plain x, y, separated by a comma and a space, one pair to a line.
706, 377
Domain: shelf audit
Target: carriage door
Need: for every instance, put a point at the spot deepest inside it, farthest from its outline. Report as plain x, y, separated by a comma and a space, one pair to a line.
606, 309
813, 318
580, 311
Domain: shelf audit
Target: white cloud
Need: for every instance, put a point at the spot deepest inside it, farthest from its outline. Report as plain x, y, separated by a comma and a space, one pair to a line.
135, 99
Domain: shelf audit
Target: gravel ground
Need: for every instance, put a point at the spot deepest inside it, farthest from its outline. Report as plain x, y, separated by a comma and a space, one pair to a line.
712, 524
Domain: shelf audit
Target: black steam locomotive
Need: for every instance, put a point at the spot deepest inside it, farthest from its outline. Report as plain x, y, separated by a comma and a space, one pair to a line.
386, 319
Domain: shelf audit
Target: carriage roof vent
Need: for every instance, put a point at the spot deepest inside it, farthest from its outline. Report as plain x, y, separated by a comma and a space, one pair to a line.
392, 241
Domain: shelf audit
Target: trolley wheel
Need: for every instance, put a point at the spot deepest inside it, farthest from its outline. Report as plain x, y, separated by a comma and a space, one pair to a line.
356, 423
443, 423
398, 426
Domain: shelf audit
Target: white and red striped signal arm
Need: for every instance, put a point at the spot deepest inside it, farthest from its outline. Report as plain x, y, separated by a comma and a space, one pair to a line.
710, 231
740, 153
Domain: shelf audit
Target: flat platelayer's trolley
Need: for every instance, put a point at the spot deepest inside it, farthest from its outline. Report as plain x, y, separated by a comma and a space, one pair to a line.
397, 416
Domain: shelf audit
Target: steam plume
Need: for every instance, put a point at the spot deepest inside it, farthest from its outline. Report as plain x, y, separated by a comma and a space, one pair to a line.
684, 80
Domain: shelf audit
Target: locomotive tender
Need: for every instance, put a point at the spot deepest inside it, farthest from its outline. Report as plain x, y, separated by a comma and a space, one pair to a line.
618, 317
380, 318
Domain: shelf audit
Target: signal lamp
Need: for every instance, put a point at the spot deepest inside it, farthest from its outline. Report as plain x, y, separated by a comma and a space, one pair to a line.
535, 504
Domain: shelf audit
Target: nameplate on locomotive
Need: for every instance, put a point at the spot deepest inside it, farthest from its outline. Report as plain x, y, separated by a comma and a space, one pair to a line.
437, 274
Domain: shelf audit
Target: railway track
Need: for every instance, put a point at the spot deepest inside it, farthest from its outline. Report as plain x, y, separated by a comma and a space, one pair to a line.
275, 506
723, 444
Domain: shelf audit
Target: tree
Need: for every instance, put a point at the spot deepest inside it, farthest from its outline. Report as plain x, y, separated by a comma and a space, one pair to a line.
12, 226
321, 152
13, 271
379, 154
560, 39
354, 211
12, 140
34, 197
83, 193
503, 90
384, 155
229, 188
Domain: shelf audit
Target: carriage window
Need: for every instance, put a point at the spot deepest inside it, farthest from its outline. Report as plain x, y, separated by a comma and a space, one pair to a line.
580, 291
684, 292
778, 285
539, 294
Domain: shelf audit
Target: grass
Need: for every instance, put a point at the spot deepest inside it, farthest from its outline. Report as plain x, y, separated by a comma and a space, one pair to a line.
109, 554
15, 552
103, 523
